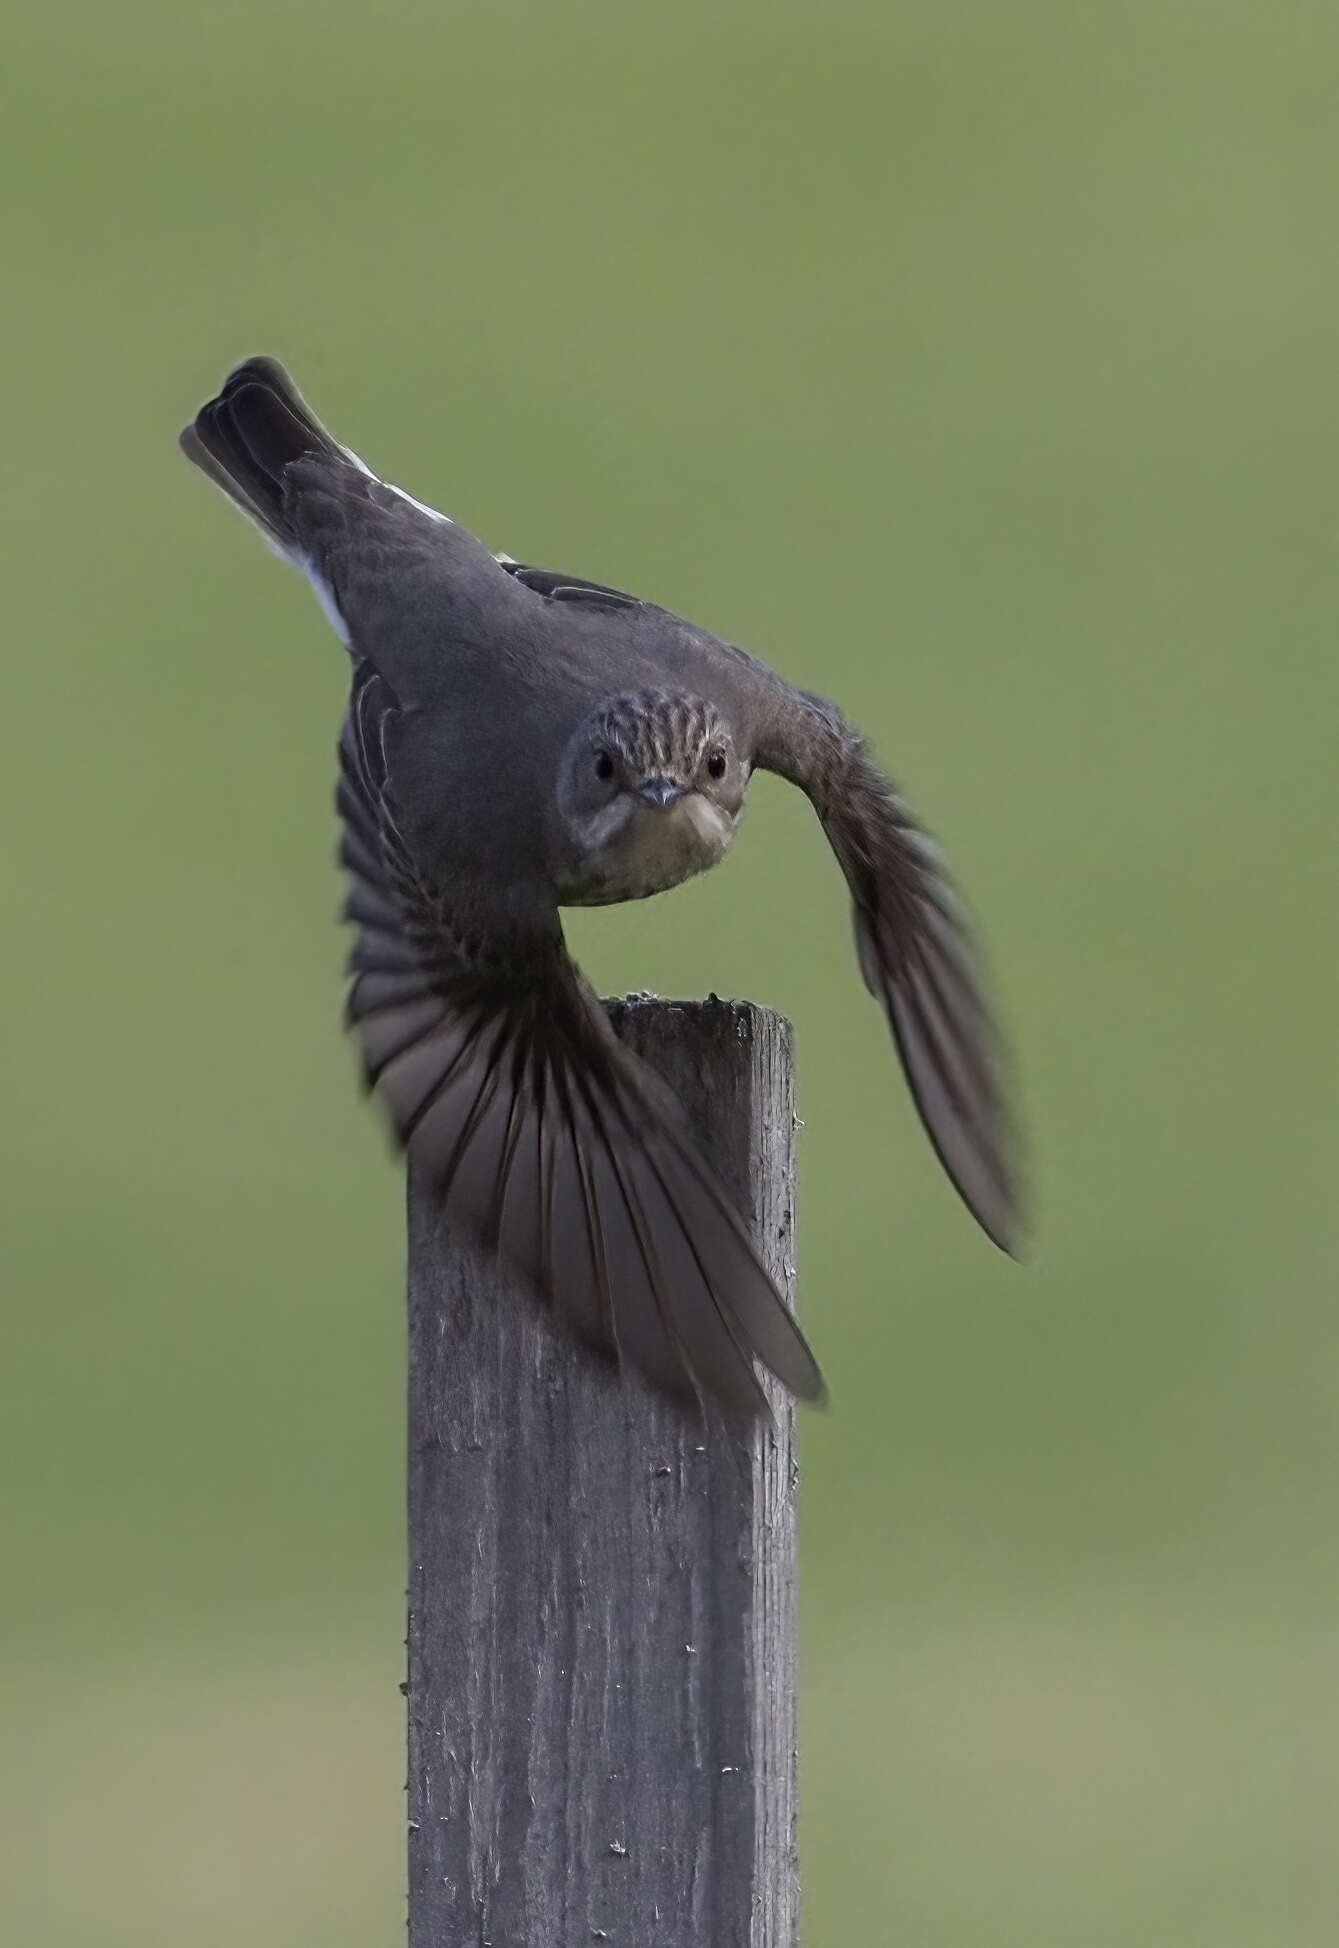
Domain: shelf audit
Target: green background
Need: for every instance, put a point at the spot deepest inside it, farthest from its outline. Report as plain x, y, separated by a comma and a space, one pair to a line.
974, 363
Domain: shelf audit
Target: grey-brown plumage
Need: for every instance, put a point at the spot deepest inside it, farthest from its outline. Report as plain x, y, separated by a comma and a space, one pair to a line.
518, 741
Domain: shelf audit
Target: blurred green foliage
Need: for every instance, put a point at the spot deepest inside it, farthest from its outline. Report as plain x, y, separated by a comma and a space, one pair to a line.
976, 365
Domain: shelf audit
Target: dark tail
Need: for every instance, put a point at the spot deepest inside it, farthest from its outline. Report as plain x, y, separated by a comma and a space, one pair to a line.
246, 437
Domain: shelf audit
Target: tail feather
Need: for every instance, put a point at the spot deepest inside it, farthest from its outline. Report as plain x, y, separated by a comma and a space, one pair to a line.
246, 438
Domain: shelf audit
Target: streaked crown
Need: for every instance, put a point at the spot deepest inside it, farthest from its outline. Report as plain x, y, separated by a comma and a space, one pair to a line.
660, 734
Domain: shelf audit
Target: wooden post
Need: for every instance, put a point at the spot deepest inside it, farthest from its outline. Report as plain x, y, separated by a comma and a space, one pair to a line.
601, 1587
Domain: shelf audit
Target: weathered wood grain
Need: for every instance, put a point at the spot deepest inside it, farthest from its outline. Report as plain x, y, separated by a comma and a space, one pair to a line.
602, 1589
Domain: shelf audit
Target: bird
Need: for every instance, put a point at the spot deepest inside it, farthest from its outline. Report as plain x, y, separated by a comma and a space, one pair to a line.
518, 741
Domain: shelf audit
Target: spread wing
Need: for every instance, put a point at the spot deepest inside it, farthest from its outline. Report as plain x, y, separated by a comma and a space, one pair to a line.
543, 1136
917, 956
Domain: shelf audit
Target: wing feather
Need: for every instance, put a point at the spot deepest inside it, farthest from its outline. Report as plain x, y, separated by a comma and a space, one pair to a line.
918, 958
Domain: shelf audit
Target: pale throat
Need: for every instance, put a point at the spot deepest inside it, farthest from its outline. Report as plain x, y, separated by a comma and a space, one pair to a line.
651, 851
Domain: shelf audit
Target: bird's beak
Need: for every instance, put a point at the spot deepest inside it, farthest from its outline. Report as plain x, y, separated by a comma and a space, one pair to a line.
660, 792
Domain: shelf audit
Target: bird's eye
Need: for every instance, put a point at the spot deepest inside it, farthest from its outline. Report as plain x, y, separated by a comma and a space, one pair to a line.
604, 765
716, 765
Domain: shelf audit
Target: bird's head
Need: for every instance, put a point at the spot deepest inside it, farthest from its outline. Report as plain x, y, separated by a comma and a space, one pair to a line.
650, 792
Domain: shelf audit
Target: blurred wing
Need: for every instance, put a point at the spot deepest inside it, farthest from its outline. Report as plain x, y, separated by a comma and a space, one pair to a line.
542, 1135
918, 959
